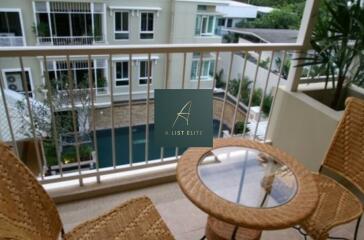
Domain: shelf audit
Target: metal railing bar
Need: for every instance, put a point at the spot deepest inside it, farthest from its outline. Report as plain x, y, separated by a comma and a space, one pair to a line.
35, 138
251, 94
15, 145
111, 81
239, 93
51, 107
200, 70
33, 51
184, 70
275, 95
167, 72
147, 119
162, 154
263, 96
215, 70
225, 94
176, 153
92, 99
165, 87
74, 123
108, 171
130, 112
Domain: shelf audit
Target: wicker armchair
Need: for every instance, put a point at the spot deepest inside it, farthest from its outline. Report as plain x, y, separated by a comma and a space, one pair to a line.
28, 213
345, 158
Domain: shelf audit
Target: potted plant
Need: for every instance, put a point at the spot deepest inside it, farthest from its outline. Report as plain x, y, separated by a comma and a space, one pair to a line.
41, 29
338, 47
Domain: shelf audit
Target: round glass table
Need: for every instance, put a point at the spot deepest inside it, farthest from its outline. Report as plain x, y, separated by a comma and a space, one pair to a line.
247, 176
246, 187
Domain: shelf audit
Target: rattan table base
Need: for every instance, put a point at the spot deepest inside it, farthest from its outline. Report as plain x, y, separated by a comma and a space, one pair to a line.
219, 230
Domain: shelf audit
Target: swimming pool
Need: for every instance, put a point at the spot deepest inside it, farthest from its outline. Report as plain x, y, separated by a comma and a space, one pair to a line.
104, 145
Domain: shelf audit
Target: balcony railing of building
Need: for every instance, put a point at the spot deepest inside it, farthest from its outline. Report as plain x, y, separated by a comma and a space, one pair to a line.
70, 40
68, 142
73, 151
11, 41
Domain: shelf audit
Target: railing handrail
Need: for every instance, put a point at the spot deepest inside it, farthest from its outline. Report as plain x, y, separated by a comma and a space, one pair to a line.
34, 51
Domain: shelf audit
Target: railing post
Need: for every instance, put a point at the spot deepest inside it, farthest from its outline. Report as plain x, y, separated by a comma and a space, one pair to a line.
304, 36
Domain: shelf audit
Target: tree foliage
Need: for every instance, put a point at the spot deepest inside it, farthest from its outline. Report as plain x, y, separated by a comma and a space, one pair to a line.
286, 15
338, 43
275, 3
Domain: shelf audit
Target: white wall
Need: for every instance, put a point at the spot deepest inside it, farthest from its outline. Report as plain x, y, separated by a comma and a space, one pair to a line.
302, 126
237, 70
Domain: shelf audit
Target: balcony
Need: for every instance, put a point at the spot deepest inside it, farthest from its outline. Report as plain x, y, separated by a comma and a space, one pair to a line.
11, 41
86, 138
70, 40
75, 23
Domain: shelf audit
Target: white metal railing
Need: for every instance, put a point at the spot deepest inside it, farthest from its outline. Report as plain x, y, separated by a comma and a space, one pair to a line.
184, 51
92, 99
70, 40
11, 41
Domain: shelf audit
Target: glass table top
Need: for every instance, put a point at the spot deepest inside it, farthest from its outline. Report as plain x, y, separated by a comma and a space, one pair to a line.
248, 177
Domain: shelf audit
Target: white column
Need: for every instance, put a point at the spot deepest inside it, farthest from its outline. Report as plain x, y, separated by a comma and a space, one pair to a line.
304, 35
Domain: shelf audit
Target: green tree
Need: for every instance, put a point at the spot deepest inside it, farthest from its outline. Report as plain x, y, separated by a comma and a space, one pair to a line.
286, 66
286, 15
239, 127
267, 104
284, 18
275, 3
218, 77
338, 43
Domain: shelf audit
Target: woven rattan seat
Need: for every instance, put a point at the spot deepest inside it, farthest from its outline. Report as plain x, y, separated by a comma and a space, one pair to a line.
28, 213
337, 205
345, 157
135, 219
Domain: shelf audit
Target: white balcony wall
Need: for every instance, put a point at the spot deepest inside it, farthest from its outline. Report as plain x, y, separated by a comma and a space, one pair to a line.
237, 71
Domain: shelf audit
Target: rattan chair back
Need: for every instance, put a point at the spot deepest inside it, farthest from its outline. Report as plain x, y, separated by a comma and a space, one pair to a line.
26, 211
346, 152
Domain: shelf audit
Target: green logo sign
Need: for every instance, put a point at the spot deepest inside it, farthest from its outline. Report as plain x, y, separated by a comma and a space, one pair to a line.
183, 118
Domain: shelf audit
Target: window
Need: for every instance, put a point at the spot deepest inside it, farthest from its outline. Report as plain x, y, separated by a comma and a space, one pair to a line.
201, 8
229, 22
205, 25
207, 70
10, 24
14, 81
10, 29
146, 25
70, 23
58, 74
143, 72
122, 74
121, 25
221, 22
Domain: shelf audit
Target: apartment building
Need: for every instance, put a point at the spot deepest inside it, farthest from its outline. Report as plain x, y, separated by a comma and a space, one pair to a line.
112, 22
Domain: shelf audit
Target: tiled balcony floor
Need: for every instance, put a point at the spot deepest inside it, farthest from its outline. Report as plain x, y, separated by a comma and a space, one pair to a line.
184, 219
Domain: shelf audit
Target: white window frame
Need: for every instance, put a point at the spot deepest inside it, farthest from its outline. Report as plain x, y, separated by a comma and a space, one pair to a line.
204, 32
69, 13
203, 77
26, 69
121, 79
94, 72
122, 31
140, 26
19, 11
145, 77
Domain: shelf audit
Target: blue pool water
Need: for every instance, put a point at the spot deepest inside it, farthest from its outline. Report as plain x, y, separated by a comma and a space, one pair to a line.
122, 145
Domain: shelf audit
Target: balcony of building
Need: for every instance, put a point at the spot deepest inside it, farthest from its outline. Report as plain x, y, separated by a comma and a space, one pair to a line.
69, 23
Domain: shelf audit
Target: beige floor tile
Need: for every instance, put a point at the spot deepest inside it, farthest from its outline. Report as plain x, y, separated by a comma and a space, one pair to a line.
184, 219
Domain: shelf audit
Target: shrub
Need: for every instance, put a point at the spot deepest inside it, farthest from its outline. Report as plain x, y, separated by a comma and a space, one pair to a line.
239, 127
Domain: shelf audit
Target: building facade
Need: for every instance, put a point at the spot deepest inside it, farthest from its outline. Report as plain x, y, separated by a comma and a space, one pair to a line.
111, 22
